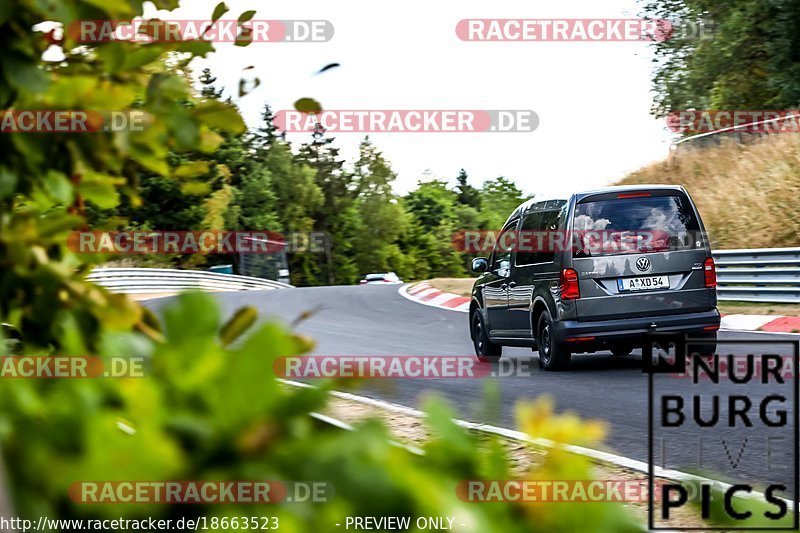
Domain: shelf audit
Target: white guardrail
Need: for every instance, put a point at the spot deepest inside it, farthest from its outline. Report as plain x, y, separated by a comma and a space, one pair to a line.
759, 275
166, 280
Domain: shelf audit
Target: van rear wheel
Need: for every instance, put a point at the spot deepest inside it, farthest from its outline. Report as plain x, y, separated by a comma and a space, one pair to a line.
704, 344
552, 354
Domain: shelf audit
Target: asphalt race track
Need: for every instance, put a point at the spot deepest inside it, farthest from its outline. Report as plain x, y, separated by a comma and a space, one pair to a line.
376, 320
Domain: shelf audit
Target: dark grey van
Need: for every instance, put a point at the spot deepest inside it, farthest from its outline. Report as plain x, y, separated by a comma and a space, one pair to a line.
599, 270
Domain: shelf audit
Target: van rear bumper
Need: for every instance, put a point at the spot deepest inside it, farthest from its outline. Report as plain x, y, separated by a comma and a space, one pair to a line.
619, 329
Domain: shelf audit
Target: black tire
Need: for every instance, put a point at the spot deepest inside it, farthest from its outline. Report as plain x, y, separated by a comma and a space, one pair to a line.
621, 350
552, 355
485, 350
704, 344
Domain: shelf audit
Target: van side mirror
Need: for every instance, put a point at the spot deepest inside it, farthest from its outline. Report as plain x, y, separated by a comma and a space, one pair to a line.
480, 264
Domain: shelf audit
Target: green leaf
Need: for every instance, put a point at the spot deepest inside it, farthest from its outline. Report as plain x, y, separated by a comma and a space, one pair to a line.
23, 73
142, 56
193, 168
6, 8
8, 182
150, 155
100, 189
197, 188
196, 47
308, 105
165, 88
185, 130
220, 115
245, 37
239, 323
114, 10
209, 140
220, 10
58, 187
247, 15
112, 55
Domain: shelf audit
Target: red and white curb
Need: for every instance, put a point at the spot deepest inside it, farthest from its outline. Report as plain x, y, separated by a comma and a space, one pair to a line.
762, 323
425, 294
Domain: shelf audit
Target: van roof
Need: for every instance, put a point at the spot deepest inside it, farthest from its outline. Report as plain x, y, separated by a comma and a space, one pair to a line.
629, 188
525, 206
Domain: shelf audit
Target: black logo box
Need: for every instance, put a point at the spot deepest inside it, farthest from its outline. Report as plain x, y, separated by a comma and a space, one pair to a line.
678, 365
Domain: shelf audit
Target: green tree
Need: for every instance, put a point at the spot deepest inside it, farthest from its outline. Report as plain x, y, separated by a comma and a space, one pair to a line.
381, 219
467, 194
297, 197
499, 197
432, 206
333, 216
734, 55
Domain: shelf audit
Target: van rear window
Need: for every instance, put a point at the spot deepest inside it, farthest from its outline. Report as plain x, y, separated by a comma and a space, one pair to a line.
635, 225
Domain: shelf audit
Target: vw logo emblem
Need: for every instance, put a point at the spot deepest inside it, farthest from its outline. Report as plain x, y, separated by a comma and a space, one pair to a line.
643, 263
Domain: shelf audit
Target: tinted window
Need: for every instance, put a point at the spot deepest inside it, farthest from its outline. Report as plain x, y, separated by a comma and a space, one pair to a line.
501, 258
549, 225
635, 225
527, 255
538, 240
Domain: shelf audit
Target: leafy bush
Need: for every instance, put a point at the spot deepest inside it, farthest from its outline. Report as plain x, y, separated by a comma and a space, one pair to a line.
209, 406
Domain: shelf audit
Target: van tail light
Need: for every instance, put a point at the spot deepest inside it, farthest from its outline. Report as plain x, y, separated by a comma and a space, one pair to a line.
710, 272
363, 282
569, 285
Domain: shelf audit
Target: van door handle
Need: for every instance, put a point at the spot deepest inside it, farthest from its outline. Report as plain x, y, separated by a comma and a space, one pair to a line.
512, 284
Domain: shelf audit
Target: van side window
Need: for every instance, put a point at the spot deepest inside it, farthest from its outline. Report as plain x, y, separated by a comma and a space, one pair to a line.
549, 226
539, 239
527, 254
503, 248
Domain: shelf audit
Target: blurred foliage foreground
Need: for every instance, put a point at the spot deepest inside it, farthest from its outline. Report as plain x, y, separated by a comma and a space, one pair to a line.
208, 407
211, 410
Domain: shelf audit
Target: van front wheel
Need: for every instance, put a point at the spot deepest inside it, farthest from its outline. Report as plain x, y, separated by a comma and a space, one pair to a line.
552, 354
486, 351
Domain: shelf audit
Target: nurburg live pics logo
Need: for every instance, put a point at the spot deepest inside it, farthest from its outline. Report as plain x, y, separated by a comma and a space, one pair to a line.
747, 420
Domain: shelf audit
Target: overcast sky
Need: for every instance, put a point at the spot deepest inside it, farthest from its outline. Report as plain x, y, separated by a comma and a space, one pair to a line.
592, 98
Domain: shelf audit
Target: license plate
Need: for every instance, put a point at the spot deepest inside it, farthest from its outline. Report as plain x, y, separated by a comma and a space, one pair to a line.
645, 283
